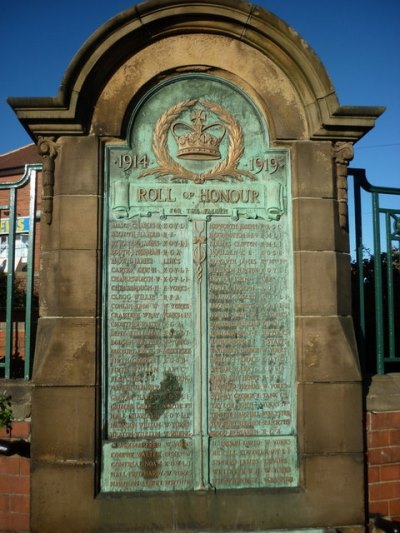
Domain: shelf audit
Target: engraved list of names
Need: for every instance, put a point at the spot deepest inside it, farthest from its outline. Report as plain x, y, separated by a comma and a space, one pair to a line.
198, 330
249, 355
150, 365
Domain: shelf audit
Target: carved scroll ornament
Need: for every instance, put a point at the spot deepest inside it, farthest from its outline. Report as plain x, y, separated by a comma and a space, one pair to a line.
343, 154
47, 148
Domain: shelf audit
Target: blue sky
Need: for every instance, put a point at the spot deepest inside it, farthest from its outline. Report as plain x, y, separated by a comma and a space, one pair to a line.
358, 41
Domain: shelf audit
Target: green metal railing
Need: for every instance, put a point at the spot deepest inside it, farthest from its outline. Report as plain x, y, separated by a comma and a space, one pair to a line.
29, 179
376, 278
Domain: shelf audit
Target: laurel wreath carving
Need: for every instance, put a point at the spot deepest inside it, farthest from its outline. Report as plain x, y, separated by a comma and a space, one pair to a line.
221, 172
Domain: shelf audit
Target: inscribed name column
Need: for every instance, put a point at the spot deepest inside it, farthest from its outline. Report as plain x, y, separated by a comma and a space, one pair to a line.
250, 397
150, 370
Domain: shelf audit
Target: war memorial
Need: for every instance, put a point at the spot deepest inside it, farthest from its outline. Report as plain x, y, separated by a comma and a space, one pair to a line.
196, 367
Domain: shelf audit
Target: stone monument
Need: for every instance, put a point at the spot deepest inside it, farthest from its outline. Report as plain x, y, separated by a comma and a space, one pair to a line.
195, 368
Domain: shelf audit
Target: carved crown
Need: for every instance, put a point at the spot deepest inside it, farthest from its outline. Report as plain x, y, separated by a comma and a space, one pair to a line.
196, 142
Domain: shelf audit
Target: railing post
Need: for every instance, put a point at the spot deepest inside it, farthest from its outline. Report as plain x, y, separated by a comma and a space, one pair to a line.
360, 270
30, 274
10, 281
390, 291
378, 286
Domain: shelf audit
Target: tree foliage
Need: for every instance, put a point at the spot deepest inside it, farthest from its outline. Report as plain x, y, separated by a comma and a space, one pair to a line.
367, 340
18, 291
6, 414
18, 323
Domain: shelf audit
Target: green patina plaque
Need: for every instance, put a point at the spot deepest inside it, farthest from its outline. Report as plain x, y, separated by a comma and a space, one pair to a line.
198, 297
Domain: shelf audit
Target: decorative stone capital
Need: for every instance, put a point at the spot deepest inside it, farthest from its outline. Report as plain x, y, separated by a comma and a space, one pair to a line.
343, 153
47, 148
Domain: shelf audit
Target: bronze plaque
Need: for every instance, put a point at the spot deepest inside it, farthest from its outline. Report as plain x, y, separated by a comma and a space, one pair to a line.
198, 329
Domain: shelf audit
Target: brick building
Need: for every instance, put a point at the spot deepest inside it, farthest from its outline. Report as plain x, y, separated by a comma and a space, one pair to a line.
12, 169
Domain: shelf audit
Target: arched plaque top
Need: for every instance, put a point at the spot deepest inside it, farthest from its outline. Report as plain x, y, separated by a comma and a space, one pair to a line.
71, 111
203, 90
198, 126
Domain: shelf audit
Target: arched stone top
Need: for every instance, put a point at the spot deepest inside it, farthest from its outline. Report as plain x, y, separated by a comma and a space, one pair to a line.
213, 55
150, 24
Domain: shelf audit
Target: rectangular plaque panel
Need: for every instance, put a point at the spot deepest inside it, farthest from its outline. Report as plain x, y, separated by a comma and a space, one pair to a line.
250, 350
148, 465
253, 462
150, 356
250, 335
198, 332
150, 334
